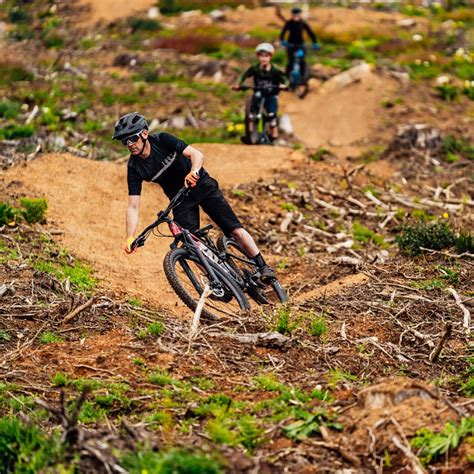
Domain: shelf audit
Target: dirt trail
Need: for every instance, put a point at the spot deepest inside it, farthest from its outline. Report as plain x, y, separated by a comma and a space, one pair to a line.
338, 118
110, 10
87, 201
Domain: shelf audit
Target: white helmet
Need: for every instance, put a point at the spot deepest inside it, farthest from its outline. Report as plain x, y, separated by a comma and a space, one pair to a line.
265, 48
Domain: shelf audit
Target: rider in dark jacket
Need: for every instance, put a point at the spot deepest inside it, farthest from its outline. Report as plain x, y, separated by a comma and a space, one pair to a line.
294, 29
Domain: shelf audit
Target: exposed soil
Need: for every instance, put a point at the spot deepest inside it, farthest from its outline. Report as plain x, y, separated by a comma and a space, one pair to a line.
355, 342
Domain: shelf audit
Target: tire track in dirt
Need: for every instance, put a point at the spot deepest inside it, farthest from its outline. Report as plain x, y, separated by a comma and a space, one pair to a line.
87, 201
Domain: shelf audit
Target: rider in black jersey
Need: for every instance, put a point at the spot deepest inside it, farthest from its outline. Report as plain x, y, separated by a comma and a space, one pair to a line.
168, 161
292, 36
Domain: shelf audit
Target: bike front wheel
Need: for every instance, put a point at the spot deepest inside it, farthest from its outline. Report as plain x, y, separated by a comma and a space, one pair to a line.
188, 279
261, 294
252, 134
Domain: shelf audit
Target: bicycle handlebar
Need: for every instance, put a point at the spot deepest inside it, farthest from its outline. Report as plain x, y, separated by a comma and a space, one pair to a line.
175, 202
245, 87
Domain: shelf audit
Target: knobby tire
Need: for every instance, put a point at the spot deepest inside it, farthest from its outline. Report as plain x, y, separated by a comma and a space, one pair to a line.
215, 307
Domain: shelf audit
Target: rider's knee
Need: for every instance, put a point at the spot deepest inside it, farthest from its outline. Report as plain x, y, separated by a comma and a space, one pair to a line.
273, 119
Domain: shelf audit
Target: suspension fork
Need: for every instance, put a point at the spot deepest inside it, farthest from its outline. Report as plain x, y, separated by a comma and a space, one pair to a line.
215, 283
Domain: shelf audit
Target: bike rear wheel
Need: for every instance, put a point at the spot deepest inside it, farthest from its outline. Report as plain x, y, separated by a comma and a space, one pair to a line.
188, 279
261, 294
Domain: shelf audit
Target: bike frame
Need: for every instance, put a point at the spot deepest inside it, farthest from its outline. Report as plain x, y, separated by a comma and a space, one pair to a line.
191, 242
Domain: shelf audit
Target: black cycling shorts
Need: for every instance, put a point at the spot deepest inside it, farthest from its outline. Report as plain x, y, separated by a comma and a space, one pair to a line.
209, 197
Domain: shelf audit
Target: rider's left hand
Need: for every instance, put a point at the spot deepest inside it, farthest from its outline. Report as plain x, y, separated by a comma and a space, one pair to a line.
191, 179
316, 46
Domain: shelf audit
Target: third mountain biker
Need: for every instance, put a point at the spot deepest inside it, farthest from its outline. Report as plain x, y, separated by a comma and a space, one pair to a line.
292, 37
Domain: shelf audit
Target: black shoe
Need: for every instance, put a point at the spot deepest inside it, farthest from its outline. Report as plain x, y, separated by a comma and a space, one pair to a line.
267, 275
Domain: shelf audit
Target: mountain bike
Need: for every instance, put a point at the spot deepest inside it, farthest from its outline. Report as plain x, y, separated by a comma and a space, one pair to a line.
298, 79
195, 262
257, 121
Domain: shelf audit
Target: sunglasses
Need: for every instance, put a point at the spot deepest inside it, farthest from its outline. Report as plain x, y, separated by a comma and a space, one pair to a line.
131, 139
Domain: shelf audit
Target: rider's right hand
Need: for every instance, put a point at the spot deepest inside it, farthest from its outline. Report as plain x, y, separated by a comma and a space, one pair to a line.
236, 87
128, 246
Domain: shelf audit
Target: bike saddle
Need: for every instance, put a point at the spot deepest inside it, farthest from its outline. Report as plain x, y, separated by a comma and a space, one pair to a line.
204, 230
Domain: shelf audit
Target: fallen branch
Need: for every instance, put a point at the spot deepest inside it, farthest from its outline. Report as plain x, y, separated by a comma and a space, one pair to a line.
78, 310
439, 347
268, 339
467, 315
197, 314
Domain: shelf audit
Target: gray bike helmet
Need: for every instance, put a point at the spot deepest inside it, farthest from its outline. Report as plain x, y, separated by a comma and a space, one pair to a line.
296, 11
129, 125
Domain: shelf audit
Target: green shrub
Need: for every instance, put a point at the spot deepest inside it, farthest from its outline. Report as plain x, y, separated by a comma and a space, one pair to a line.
156, 328
318, 326
433, 444
9, 109
24, 449
143, 24
49, 337
7, 214
175, 461
464, 243
364, 234
15, 15
458, 146
13, 131
448, 92
284, 324
436, 236
33, 210
14, 73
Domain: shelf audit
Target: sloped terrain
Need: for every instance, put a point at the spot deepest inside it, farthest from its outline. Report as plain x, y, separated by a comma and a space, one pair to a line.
366, 215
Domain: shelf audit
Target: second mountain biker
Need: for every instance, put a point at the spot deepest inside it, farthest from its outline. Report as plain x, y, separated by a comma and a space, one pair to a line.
268, 77
168, 161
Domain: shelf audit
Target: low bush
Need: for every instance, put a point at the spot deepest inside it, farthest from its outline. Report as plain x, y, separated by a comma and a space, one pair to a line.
14, 73
9, 109
33, 210
24, 448
12, 131
143, 24
435, 236
175, 461
7, 214
433, 444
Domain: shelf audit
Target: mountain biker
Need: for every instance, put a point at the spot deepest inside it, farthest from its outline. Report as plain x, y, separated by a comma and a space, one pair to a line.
295, 28
168, 161
270, 78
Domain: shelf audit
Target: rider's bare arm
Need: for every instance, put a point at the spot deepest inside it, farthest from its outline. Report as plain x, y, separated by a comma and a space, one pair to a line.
196, 157
132, 215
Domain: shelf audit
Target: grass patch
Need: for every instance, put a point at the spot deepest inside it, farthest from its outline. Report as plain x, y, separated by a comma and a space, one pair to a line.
25, 449
432, 445
9, 109
318, 326
175, 461
365, 235
49, 337
79, 274
33, 210
12, 131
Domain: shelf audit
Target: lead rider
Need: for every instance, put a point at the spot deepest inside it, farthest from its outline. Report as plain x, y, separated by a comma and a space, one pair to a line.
168, 161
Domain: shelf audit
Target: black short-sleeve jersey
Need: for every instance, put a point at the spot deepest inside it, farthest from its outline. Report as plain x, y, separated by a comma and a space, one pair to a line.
166, 166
